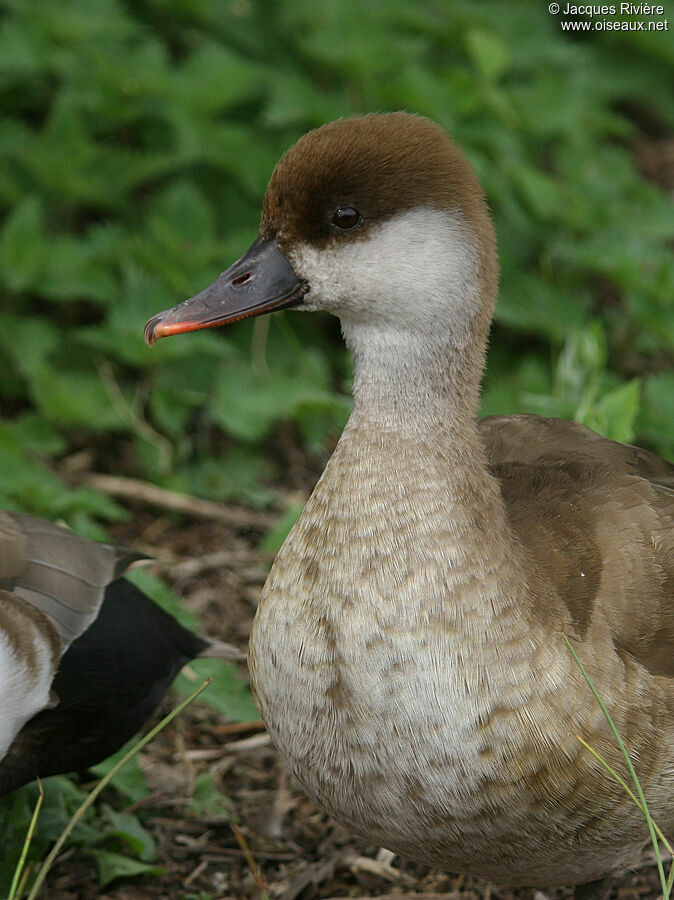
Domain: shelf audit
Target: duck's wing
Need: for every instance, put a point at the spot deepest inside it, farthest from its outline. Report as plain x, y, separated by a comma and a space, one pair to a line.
596, 519
536, 439
58, 572
52, 583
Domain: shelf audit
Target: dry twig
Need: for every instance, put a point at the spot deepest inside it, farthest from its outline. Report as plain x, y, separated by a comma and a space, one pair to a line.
144, 492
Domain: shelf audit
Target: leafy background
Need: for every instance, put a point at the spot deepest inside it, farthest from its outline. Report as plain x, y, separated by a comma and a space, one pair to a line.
136, 142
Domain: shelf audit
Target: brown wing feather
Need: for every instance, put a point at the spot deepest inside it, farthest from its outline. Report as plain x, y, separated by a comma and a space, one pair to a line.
56, 571
596, 518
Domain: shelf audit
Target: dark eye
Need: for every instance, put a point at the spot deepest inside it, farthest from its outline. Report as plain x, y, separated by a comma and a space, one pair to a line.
346, 217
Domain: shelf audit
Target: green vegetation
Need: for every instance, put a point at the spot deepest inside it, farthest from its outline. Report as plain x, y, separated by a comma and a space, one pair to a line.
116, 841
136, 142
69, 808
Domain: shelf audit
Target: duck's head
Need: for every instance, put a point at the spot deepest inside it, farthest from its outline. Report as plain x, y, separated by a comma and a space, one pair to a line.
378, 219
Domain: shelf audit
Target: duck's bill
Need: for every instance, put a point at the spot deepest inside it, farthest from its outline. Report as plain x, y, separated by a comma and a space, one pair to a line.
261, 281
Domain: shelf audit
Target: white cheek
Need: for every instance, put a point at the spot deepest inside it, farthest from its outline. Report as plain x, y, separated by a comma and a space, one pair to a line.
418, 269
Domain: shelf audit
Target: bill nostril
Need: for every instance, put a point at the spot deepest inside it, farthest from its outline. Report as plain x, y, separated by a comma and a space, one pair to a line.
242, 279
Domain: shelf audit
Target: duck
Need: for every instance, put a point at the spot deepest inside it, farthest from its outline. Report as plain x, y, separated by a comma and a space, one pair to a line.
85, 656
408, 653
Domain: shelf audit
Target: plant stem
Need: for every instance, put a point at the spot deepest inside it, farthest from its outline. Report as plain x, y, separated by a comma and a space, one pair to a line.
77, 815
14, 889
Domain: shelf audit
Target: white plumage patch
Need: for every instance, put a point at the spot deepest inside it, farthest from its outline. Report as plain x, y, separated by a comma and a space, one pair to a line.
26, 678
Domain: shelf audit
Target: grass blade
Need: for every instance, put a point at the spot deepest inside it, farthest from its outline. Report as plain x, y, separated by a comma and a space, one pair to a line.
14, 891
642, 804
250, 859
623, 784
49, 860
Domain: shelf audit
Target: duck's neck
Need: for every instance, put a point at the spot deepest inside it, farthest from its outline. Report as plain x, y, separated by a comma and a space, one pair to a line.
414, 383
414, 405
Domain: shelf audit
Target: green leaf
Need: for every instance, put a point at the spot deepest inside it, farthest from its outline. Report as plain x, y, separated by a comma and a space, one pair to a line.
208, 801
127, 828
62, 798
28, 341
540, 192
35, 435
528, 305
76, 399
614, 414
241, 474
246, 405
22, 245
130, 781
231, 78
489, 53
582, 359
113, 865
228, 694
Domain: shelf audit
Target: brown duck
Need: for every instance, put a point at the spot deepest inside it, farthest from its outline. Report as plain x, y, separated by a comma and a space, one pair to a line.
407, 653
